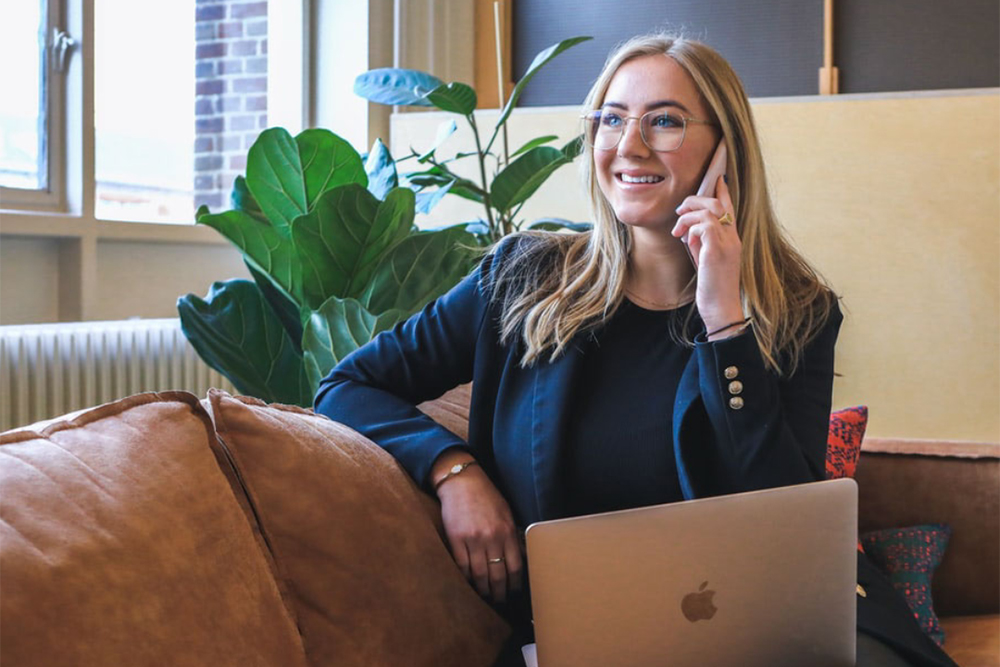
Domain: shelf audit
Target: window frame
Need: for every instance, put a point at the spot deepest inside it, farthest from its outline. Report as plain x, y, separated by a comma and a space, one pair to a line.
53, 196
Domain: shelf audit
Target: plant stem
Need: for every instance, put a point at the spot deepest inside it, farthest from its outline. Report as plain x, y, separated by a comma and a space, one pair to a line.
482, 174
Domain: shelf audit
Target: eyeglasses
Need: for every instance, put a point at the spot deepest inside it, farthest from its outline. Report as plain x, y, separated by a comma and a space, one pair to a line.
661, 131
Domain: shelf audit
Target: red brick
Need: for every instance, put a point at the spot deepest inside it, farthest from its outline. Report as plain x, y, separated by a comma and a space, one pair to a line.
208, 163
204, 145
203, 183
245, 48
212, 201
238, 162
231, 29
208, 125
250, 85
203, 107
248, 10
210, 13
256, 28
204, 31
263, 46
230, 103
241, 123
256, 65
262, 121
256, 103
231, 142
210, 87
231, 66
210, 50
204, 69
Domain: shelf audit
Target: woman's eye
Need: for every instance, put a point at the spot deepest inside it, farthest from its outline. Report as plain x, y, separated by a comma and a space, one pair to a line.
665, 120
611, 119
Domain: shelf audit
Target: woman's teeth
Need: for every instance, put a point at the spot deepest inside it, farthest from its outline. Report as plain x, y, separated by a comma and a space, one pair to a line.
640, 179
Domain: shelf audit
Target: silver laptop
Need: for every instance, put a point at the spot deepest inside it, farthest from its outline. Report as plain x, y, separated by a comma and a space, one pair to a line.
763, 578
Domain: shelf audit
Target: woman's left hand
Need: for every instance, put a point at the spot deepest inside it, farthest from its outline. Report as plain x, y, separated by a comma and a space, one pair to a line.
716, 248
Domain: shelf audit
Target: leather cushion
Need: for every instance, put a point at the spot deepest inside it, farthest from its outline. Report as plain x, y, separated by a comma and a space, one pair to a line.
122, 543
370, 577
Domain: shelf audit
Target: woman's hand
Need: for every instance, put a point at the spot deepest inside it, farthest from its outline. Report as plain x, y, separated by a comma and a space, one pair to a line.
716, 248
480, 528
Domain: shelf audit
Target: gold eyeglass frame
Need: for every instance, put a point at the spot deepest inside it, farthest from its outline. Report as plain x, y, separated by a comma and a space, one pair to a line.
587, 118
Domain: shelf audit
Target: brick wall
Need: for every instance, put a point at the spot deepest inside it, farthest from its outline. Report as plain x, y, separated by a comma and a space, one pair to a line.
231, 94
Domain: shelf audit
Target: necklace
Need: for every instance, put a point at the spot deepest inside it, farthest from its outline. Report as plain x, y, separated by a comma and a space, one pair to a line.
669, 306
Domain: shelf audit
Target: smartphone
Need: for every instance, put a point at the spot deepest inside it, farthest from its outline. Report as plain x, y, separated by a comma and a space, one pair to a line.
716, 168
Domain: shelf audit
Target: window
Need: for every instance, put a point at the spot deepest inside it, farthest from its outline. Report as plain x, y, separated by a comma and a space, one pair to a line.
30, 116
181, 90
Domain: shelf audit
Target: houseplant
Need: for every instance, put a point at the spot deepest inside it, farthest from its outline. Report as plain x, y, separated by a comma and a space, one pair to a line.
329, 240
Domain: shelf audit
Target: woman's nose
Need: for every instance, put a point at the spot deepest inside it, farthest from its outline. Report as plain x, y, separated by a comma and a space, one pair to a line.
631, 142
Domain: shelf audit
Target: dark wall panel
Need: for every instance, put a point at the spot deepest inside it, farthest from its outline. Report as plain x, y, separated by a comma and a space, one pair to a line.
776, 46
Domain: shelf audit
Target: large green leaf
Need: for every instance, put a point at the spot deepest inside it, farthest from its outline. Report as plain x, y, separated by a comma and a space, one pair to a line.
538, 141
522, 177
339, 327
540, 60
274, 177
389, 85
242, 200
267, 248
558, 225
381, 169
235, 331
420, 268
454, 97
327, 162
426, 201
343, 239
284, 307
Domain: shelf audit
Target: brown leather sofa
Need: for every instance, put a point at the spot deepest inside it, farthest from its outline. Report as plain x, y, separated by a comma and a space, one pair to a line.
161, 529
911, 482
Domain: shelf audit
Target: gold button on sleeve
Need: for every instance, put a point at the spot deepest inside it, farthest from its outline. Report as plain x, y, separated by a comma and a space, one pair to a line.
731, 372
735, 387
736, 403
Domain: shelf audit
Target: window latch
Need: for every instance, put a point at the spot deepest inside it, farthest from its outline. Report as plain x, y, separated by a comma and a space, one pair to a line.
62, 44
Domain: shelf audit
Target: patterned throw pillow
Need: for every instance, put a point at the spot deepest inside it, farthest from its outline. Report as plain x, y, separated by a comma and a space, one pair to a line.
843, 444
909, 556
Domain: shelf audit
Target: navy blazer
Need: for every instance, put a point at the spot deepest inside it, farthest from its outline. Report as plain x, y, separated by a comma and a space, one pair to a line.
518, 418
773, 434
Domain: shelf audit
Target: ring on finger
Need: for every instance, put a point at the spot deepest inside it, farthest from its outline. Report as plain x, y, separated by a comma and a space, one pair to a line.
494, 561
726, 219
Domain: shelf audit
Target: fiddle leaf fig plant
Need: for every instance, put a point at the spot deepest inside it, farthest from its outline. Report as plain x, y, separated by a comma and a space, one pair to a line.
512, 182
328, 237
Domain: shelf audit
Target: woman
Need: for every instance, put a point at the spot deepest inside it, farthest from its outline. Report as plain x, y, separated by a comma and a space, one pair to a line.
680, 349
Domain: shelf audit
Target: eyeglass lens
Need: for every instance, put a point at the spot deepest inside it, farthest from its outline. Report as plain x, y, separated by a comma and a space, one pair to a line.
662, 131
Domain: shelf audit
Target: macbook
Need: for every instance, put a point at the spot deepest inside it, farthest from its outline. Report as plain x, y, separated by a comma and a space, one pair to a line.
763, 578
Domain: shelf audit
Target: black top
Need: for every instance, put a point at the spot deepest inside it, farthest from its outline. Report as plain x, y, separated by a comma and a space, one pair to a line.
620, 450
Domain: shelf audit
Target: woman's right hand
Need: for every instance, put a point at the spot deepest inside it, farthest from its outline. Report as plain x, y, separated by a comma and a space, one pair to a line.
480, 527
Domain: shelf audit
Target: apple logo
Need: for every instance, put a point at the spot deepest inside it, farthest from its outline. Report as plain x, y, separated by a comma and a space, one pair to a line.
698, 606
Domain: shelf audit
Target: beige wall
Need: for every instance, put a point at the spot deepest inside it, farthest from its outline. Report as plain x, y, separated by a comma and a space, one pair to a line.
134, 279
896, 199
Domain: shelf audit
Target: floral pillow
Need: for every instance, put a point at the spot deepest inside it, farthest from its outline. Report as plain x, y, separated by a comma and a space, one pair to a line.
908, 557
843, 444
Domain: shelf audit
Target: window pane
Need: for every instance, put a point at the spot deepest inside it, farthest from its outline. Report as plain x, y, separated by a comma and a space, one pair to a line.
181, 95
22, 111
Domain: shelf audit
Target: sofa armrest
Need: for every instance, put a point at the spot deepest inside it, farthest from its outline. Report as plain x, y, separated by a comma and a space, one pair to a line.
910, 482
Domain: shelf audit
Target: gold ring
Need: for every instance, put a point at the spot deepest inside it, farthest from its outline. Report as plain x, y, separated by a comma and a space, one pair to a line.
726, 219
493, 561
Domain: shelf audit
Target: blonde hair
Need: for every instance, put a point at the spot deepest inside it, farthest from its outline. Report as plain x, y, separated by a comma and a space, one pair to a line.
556, 286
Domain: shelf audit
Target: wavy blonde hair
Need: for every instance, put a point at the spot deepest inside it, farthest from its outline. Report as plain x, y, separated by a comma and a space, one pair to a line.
556, 286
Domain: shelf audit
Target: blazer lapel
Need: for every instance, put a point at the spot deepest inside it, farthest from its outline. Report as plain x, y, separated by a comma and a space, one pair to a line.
551, 411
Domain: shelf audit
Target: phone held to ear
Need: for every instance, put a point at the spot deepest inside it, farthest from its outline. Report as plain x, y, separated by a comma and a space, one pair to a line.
716, 168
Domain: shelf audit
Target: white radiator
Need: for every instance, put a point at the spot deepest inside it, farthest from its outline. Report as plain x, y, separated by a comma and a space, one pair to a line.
49, 369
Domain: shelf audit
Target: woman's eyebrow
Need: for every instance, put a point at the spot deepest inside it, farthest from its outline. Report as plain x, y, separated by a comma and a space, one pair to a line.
650, 106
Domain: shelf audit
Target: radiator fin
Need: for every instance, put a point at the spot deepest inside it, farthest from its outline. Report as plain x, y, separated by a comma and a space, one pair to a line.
47, 370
